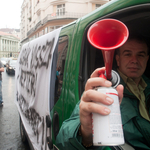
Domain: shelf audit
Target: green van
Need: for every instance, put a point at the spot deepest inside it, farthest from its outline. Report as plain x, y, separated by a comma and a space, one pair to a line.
75, 60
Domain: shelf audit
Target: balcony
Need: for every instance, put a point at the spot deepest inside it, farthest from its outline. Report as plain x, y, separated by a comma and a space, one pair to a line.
53, 16
64, 15
38, 25
30, 31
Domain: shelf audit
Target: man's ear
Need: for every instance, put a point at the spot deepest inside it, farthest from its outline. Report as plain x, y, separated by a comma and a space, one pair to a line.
117, 60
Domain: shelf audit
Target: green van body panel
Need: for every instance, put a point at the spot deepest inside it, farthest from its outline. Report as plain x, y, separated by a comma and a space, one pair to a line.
76, 34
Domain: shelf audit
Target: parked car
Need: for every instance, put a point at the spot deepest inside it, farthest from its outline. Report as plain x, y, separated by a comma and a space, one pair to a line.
41, 115
4, 61
11, 67
8, 59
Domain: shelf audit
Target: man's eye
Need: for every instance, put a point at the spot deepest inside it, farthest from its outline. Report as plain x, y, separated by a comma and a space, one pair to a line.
141, 55
127, 54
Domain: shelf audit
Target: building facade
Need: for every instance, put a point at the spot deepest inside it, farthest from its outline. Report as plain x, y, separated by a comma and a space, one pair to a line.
9, 45
15, 32
39, 17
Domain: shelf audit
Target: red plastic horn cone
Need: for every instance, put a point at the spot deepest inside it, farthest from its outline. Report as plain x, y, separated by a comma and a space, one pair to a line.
107, 35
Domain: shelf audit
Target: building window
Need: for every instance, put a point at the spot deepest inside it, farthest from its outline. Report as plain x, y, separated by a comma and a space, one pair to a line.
57, 27
43, 32
97, 6
40, 33
51, 28
46, 30
61, 10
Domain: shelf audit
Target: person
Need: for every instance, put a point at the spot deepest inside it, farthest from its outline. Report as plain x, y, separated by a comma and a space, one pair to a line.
133, 92
57, 80
1, 70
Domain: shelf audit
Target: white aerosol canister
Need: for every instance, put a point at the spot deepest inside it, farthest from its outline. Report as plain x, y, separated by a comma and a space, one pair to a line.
108, 130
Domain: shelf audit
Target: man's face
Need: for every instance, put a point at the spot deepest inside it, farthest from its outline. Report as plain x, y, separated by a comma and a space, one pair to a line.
132, 58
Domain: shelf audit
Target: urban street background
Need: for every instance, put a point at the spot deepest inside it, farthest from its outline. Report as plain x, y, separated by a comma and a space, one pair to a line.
9, 118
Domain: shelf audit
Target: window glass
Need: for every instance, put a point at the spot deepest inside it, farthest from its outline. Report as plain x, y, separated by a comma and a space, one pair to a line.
57, 27
46, 30
61, 10
41, 33
51, 28
62, 52
97, 6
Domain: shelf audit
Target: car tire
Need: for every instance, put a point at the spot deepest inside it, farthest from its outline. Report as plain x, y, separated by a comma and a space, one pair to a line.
22, 132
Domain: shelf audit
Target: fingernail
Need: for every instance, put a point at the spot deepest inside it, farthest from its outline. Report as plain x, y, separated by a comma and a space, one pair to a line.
109, 100
107, 111
108, 83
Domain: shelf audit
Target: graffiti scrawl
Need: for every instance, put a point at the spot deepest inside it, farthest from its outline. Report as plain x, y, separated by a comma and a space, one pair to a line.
32, 81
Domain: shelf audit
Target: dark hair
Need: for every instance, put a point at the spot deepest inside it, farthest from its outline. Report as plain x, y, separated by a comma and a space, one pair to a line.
138, 38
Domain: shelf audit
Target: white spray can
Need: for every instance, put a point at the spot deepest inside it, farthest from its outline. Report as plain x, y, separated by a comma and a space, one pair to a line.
108, 130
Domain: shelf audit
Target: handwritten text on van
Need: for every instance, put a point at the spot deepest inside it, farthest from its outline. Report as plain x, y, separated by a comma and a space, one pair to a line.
33, 79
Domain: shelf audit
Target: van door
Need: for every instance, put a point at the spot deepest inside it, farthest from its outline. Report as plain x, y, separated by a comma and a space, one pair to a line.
61, 79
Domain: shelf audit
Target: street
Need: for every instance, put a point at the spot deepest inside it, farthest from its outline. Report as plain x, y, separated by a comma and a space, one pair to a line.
9, 119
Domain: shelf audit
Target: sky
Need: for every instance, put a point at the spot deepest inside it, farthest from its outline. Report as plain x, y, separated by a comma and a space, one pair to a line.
10, 13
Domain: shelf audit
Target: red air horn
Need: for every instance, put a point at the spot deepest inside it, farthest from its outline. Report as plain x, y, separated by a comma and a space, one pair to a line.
107, 35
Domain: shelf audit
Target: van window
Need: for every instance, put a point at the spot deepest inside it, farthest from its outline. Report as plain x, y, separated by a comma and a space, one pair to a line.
62, 52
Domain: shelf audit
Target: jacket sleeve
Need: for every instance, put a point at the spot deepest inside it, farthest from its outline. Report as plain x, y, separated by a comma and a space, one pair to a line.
67, 138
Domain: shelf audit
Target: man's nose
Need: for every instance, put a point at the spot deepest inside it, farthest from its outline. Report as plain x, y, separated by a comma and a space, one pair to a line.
134, 59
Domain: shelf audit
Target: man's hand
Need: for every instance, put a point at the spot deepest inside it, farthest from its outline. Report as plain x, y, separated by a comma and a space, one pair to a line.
87, 105
2, 69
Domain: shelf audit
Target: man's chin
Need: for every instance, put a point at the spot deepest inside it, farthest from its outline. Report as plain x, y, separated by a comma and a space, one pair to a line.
134, 76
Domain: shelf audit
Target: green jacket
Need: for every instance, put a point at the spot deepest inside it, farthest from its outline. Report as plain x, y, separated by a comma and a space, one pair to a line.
135, 127
67, 138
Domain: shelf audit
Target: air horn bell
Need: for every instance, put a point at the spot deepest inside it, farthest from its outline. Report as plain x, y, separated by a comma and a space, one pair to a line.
108, 35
